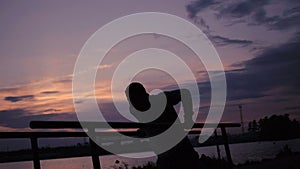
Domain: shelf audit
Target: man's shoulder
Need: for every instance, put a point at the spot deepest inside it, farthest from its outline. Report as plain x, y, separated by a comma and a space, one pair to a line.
158, 95
159, 98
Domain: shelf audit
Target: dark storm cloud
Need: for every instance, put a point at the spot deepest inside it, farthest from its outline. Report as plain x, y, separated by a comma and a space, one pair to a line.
235, 9
235, 91
201, 21
63, 80
18, 98
49, 92
251, 11
195, 6
20, 118
275, 67
289, 19
240, 9
226, 71
9, 89
51, 110
222, 41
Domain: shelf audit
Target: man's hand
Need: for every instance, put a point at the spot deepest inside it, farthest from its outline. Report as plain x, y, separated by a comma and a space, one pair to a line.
188, 121
141, 133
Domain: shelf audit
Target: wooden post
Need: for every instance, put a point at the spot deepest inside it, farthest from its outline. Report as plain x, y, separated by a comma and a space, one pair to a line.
242, 121
95, 156
35, 153
226, 145
217, 144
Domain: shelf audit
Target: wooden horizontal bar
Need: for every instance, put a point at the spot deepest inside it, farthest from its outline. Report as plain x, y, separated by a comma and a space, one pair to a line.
120, 125
60, 134
76, 124
41, 134
220, 125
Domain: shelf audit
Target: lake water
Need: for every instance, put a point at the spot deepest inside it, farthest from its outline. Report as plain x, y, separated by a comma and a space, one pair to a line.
240, 153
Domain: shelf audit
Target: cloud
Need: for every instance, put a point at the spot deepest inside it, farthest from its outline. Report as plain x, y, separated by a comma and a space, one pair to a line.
9, 89
254, 12
51, 110
226, 71
222, 41
287, 20
106, 66
18, 98
20, 118
276, 67
196, 6
49, 92
273, 72
67, 79
240, 9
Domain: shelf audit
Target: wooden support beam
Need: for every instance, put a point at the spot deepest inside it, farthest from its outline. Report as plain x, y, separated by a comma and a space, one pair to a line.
35, 152
226, 145
95, 155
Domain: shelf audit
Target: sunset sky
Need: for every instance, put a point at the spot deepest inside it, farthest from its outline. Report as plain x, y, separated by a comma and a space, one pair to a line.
258, 42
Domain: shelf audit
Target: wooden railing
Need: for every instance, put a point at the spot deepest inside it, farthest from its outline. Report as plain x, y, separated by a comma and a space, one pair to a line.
91, 126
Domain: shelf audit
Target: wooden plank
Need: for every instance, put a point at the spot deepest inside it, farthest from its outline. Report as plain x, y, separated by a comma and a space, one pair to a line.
41, 134
60, 134
116, 125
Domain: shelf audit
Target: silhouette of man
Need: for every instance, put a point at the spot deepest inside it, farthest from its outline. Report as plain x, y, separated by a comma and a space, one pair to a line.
181, 156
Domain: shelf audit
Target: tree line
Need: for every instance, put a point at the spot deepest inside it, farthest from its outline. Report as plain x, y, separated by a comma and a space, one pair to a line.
275, 127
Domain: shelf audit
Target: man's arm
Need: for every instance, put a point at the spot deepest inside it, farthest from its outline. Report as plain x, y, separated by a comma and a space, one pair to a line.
183, 95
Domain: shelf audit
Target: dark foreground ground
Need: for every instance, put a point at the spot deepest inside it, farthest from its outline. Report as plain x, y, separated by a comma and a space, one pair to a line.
291, 162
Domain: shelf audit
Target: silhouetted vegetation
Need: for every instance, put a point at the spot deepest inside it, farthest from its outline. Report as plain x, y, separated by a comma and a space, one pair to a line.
123, 165
276, 127
253, 126
214, 163
149, 165
205, 162
285, 152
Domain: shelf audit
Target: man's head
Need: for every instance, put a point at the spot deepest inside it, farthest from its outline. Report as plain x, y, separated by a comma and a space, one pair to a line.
137, 96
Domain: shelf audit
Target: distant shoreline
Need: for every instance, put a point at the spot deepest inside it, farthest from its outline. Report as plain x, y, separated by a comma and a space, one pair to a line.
66, 152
